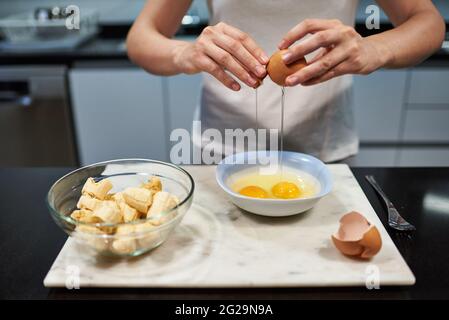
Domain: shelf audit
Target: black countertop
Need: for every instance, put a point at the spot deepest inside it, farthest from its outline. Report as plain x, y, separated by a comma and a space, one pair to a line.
109, 44
30, 240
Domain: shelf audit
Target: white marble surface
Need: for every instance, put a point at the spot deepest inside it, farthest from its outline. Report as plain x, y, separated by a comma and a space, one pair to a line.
218, 245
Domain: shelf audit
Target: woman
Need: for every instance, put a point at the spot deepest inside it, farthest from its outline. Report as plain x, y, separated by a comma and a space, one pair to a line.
234, 50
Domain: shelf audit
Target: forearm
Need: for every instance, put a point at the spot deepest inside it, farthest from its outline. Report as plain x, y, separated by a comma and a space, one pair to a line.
153, 51
411, 42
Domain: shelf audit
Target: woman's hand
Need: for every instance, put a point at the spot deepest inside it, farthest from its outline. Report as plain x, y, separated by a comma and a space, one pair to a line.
343, 51
223, 47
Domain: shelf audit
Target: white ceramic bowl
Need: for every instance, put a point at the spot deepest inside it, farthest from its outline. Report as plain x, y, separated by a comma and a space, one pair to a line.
274, 207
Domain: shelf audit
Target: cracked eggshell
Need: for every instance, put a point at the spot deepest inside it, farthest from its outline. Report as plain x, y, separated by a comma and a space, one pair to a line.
279, 71
357, 236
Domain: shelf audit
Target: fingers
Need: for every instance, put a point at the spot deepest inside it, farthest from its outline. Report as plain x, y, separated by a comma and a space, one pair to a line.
339, 70
227, 61
210, 66
321, 39
246, 41
320, 53
238, 51
305, 27
319, 67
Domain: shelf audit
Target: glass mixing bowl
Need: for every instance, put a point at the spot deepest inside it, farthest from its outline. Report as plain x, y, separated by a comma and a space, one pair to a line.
121, 239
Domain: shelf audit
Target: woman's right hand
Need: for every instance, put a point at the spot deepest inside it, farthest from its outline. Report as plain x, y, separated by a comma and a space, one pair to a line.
223, 47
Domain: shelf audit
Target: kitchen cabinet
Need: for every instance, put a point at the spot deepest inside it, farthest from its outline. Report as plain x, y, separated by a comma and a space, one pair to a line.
35, 122
427, 125
399, 114
378, 103
427, 107
429, 86
118, 113
183, 97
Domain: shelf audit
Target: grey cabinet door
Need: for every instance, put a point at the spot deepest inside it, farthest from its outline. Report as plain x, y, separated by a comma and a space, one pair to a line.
427, 114
183, 98
375, 156
378, 103
429, 86
424, 156
427, 125
118, 113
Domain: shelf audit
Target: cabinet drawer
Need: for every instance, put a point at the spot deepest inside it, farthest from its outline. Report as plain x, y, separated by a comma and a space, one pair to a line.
429, 86
375, 156
424, 156
426, 126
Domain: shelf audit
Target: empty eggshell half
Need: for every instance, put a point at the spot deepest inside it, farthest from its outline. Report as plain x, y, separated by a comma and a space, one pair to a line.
279, 71
357, 237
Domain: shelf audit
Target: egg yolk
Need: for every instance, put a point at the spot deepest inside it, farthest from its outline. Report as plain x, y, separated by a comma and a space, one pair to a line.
254, 192
285, 190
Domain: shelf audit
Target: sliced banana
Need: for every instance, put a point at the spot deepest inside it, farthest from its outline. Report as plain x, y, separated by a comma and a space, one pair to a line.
147, 237
125, 242
162, 201
87, 202
93, 237
154, 184
129, 213
138, 198
97, 205
108, 212
85, 216
98, 189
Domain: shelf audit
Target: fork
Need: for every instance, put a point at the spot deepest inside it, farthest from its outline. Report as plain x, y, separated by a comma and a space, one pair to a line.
394, 218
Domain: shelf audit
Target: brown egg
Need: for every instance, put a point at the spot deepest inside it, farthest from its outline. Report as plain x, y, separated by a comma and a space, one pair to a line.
357, 237
279, 71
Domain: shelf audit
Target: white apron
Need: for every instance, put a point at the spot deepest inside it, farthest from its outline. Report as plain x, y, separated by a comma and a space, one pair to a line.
318, 119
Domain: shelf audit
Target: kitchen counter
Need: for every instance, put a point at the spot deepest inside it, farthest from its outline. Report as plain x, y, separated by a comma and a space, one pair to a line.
30, 240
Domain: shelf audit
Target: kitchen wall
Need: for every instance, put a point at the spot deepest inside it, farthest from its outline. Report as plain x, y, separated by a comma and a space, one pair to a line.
111, 11
125, 11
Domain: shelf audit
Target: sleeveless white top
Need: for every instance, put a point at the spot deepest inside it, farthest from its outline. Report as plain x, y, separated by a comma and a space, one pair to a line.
318, 119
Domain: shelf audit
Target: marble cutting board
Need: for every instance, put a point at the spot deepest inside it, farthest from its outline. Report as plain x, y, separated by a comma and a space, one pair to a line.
218, 245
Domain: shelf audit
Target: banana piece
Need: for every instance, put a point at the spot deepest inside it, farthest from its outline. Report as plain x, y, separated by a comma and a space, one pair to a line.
108, 212
125, 242
129, 213
98, 189
85, 216
162, 201
93, 237
148, 238
118, 198
89, 203
138, 198
154, 184
79, 214
109, 196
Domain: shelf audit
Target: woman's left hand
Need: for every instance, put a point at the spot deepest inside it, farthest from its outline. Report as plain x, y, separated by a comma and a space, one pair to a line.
343, 51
